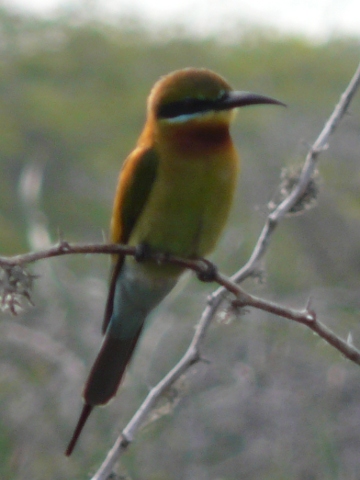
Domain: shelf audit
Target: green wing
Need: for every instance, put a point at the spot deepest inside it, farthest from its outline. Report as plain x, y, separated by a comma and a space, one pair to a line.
136, 190
137, 178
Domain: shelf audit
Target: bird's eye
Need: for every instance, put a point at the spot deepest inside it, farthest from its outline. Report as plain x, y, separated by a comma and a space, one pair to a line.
222, 97
186, 106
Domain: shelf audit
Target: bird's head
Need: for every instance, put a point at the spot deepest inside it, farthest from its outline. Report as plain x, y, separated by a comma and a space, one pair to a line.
197, 94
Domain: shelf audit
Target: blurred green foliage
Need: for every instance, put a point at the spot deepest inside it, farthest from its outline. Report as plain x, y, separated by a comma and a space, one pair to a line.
274, 402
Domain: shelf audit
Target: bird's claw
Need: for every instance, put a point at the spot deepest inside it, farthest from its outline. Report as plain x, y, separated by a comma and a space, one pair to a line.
209, 273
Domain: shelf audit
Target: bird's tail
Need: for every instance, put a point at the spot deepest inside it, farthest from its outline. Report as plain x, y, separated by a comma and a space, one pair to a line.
132, 297
87, 409
104, 378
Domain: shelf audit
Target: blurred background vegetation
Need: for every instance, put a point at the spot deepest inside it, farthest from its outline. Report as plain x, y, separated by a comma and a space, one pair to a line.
274, 402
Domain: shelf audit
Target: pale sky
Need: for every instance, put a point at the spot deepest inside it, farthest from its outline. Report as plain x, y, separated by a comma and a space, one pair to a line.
317, 18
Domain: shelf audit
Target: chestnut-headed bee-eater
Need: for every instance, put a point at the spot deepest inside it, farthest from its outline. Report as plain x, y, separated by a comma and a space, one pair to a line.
174, 194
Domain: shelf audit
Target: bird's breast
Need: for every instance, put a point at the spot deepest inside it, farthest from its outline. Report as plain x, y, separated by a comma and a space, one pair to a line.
189, 202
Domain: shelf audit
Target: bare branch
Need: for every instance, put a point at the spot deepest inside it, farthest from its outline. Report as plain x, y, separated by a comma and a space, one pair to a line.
64, 248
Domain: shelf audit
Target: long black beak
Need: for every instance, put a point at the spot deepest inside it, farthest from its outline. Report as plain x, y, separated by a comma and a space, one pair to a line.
242, 99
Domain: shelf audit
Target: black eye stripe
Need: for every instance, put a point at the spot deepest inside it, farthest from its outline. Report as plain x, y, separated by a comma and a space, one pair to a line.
186, 107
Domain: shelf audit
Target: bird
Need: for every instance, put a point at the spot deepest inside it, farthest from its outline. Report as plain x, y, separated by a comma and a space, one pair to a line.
174, 194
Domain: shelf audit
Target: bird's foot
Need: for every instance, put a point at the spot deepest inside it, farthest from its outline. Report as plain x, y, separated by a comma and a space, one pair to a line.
208, 274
